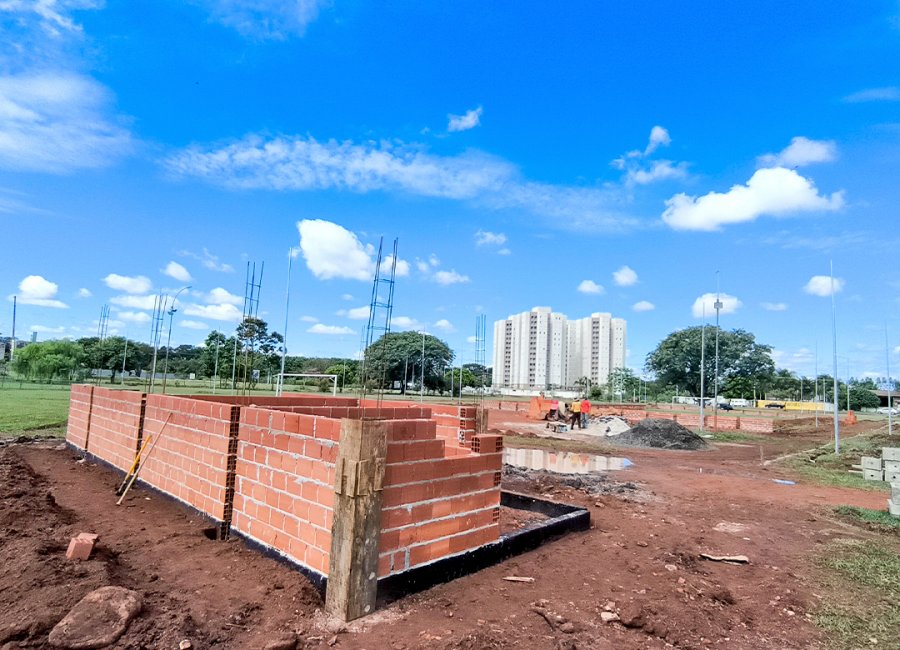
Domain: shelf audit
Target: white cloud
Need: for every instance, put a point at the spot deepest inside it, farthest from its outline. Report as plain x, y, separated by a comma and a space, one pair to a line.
194, 325
801, 152
84, 293
332, 251
358, 313
445, 326
402, 269
820, 285
659, 136
776, 191
346, 296
177, 271
319, 328
774, 306
422, 266
134, 316
591, 287
470, 120
220, 296
309, 319
625, 277
884, 94
44, 329
483, 237
504, 251
57, 122
659, 170
208, 260
128, 284
37, 290
265, 19
135, 302
446, 278
707, 303
471, 339
222, 312
405, 323
643, 305
301, 163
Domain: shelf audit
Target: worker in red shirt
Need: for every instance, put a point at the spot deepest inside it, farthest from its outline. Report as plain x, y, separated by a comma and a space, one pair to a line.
585, 412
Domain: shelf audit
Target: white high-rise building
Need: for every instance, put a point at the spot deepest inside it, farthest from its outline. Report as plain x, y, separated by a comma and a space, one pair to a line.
541, 349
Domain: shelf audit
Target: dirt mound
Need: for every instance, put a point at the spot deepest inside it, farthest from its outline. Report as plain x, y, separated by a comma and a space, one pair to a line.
661, 434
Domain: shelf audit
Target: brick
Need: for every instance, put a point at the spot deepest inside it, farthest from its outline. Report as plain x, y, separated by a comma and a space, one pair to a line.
80, 548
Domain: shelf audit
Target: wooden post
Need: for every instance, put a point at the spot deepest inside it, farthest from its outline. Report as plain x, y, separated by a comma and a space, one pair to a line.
359, 474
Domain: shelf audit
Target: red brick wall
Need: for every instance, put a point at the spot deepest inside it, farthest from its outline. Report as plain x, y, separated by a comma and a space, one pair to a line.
79, 415
284, 486
436, 504
115, 421
189, 460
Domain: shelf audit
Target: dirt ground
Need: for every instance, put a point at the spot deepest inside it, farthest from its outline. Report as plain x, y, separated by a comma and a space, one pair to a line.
640, 561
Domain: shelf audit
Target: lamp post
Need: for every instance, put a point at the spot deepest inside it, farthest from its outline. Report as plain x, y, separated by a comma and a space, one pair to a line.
422, 387
718, 306
172, 311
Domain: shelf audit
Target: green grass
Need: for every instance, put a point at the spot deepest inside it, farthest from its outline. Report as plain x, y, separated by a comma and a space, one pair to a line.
36, 409
825, 467
880, 520
736, 436
863, 579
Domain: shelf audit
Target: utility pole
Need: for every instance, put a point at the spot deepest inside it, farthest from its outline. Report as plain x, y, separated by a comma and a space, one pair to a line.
172, 311
837, 426
287, 304
702, 363
216, 368
422, 387
887, 358
12, 350
718, 306
124, 357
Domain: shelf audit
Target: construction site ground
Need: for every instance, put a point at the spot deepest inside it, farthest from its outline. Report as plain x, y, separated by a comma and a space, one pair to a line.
640, 563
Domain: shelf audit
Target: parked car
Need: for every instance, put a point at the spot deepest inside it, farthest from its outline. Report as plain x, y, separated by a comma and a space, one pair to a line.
724, 406
774, 405
887, 410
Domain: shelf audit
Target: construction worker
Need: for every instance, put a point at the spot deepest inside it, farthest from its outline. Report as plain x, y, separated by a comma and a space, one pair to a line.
585, 412
576, 414
554, 410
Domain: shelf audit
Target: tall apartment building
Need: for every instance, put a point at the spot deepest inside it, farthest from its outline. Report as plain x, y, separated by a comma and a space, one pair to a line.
541, 349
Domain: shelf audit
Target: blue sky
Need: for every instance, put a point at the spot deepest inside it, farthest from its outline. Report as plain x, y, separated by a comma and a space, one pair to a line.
608, 157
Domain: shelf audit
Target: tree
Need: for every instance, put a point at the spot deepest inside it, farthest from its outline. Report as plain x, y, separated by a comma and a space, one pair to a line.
346, 372
49, 360
861, 398
676, 360
622, 382
397, 357
258, 349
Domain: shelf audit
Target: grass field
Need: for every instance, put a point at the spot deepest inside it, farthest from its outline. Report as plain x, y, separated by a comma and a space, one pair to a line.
34, 409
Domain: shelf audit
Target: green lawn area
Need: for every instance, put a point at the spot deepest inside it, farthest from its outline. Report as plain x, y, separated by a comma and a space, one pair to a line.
827, 468
879, 520
33, 407
862, 606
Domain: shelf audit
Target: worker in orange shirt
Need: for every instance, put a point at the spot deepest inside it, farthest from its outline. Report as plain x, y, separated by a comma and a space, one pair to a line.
585, 412
576, 414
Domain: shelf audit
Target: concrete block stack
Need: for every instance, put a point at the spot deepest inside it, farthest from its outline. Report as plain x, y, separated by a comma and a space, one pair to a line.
886, 468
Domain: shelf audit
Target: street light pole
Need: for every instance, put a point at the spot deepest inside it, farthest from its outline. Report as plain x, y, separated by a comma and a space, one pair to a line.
172, 311
702, 364
422, 387
718, 306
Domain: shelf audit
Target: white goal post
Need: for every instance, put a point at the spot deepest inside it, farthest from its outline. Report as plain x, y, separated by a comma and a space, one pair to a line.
279, 386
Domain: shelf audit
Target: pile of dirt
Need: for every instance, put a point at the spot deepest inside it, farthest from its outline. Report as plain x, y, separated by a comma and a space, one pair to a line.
661, 434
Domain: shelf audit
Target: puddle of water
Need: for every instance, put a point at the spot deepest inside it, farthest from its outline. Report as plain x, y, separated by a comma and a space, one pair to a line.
562, 462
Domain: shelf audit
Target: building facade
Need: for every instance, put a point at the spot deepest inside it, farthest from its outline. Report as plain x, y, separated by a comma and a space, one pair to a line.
542, 350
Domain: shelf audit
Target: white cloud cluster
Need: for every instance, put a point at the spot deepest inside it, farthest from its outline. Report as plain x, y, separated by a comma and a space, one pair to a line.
332, 251
590, 287
265, 19
302, 163
220, 296
134, 302
469, 120
37, 290
625, 277
821, 285
446, 278
640, 171
774, 306
84, 293
445, 326
57, 122
883, 94
177, 271
406, 323
44, 329
486, 237
705, 305
801, 152
134, 316
208, 260
194, 325
333, 330
643, 305
776, 191
129, 284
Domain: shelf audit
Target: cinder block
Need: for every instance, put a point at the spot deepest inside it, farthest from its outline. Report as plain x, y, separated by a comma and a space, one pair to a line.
890, 453
895, 492
892, 466
873, 474
870, 462
894, 508
892, 477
